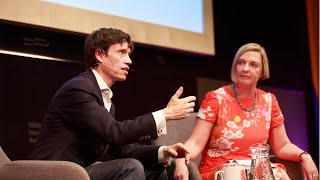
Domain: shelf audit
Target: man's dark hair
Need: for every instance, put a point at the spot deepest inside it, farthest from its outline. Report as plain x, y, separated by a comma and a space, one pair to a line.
103, 39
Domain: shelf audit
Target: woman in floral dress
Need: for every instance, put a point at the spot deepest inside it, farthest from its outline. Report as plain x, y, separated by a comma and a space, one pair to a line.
236, 116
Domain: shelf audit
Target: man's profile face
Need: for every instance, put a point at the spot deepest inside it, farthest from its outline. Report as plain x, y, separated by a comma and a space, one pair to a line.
115, 63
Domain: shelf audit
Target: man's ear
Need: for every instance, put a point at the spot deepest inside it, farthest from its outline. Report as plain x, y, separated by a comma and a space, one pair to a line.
99, 55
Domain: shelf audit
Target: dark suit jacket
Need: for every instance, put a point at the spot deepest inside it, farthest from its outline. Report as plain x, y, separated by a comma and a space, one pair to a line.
78, 128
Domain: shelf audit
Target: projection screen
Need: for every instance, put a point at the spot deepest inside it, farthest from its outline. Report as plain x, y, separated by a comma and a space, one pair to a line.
176, 24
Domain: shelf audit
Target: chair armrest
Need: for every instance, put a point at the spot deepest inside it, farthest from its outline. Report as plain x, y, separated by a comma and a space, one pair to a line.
38, 169
294, 169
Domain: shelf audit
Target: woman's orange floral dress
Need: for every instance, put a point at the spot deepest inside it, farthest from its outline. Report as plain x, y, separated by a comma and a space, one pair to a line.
235, 129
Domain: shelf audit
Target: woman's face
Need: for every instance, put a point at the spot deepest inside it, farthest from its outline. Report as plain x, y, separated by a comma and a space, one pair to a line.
249, 68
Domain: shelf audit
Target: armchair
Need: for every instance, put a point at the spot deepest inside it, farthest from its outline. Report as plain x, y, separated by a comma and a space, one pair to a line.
38, 169
294, 169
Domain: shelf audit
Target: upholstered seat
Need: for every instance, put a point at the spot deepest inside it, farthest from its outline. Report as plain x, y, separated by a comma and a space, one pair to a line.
36, 169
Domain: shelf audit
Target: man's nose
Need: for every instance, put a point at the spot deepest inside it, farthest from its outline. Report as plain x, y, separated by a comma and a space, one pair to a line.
128, 60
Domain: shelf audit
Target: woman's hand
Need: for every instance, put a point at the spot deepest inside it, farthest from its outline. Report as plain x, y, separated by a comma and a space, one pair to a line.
309, 167
181, 171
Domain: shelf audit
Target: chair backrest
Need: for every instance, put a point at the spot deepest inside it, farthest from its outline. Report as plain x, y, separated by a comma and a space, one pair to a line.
3, 157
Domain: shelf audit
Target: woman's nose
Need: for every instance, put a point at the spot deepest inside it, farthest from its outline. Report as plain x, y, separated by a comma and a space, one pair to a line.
246, 67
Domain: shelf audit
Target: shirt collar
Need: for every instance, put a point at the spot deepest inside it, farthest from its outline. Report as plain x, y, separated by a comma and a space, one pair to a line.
102, 85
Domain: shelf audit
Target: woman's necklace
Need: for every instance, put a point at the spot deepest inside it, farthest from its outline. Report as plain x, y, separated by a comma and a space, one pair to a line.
241, 105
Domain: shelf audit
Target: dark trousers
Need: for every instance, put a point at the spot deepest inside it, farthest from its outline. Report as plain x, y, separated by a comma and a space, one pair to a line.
127, 168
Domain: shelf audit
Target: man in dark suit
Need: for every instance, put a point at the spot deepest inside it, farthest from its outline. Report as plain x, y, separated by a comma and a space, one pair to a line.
80, 124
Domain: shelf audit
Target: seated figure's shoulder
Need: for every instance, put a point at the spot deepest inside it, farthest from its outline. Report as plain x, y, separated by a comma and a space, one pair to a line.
220, 93
80, 81
268, 96
222, 90
261, 91
264, 92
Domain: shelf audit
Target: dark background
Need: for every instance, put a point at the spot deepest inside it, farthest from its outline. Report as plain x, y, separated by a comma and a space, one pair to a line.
27, 84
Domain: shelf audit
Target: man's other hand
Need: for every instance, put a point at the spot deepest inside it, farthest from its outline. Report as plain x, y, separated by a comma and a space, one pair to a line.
177, 150
179, 108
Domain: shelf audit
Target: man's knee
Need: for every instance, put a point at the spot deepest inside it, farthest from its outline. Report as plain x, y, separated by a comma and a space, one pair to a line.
133, 163
117, 169
135, 167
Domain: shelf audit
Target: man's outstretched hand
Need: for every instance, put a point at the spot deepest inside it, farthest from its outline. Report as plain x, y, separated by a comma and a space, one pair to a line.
179, 108
177, 150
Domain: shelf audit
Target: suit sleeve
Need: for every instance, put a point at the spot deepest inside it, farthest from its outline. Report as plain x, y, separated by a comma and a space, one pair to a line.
80, 108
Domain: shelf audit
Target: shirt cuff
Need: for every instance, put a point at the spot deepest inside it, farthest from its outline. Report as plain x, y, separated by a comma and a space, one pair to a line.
166, 161
161, 122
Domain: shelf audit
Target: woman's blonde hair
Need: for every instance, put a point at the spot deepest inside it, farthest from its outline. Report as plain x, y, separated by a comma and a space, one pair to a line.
251, 47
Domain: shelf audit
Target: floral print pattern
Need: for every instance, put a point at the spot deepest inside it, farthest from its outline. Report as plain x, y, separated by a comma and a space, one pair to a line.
234, 129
